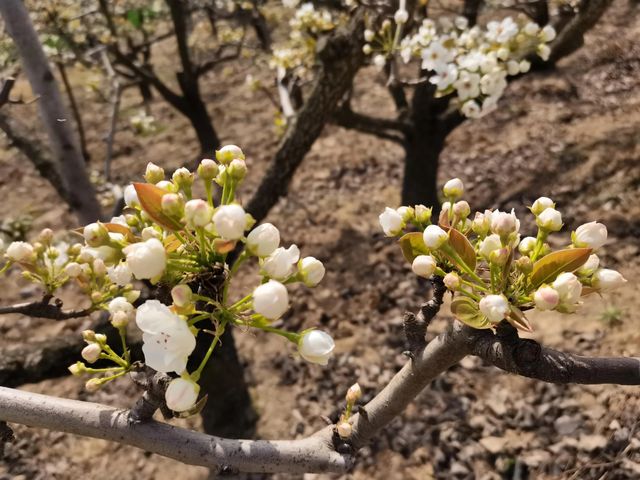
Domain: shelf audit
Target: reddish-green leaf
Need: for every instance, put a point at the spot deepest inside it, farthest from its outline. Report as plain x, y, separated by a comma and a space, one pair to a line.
224, 246
463, 248
518, 320
548, 268
117, 228
466, 310
150, 198
412, 245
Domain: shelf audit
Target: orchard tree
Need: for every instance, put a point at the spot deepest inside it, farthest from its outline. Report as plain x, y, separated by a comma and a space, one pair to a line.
181, 245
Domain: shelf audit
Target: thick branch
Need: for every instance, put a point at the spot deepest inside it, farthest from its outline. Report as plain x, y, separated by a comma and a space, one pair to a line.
381, 127
312, 454
44, 309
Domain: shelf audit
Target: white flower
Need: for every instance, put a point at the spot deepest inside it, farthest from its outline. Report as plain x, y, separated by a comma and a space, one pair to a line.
531, 29
146, 259
120, 304
435, 57
541, 204
280, 265
544, 52
471, 109
590, 266
489, 244
73, 269
424, 266
181, 394
513, 67
228, 153
527, 245
550, 220
467, 85
569, 288
391, 222
503, 223
131, 197
167, 339
548, 33
606, 280
271, 300
502, 31
91, 353
263, 240
445, 77
379, 61
494, 307
120, 274
230, 221
434, 237
197, 213
481, 223
592, 235
454, 188
546, 298
19, 251
401, 16
316, 346
461, 22
311, 270
493, 83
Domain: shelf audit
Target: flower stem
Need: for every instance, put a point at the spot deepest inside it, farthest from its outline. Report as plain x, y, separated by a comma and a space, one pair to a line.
219, 331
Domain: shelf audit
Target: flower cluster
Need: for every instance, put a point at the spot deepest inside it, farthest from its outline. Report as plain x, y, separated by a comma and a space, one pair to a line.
471, 62
494, 274
183, 244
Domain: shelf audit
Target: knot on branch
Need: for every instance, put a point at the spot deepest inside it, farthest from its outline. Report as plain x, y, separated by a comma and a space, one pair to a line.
155, 385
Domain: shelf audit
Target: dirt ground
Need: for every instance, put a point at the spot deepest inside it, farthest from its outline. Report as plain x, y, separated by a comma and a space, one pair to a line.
572, 134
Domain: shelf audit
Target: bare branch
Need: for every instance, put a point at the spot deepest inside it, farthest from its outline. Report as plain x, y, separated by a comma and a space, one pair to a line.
44, 309
7, 85
389, 129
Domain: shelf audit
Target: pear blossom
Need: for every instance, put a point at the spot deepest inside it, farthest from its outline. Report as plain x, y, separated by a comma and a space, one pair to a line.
569, 289
197, 213
391, 222
316, 346
153, 174
407, 213
494, 307
489, 244
546, 298
146, 259
548, 33
435, 57
311, 270
379, 61
120, 274
445, 77
181, 394
503, 223
541, 204
549, 220
592, 235
454, 188
263, 240
271, 300
606, 280
73, 269
208, 169
230, 221
590, 266
131, 197
95, 234
19, 251
452, 281
121, 307
527, 244
91, 353
167, 339
401, 16
424, 266
481, 223
280, 265
467, 85
434, 237
354, 393
228, 153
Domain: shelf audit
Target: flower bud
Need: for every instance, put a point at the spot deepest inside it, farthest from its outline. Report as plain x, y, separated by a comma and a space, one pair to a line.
354, 393
230, 221
549, 220
504, 224
494, 307
344, 429
237, 169
263, 240
271, 300
368, 35
590, 266
89, 336
526, 246
101, 338
525, 66
181, 394
407, 213
452, 281
488, 245
91, 353
197, 213
77, 368
461, 209
181, 295
500, 256
150, 232
424, 266
131, 295
208, 169
481, 224
606, 280
120, 320
546, 298
172, 204
547, 34
434, 237
167, 186
453, 189
401, 16
569, 288
93, 385
146, 259
96, 234
391, 222
45, 236
316, 346
311, 270
153, 173
423, 214
228, 153
99, 268
525, 265
72, 269
591, 235
183, 178
131, 197
366, 49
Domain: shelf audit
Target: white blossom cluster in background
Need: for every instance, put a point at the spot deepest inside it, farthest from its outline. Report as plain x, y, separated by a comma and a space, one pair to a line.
495, 273
473, 63
168, 237
143, 123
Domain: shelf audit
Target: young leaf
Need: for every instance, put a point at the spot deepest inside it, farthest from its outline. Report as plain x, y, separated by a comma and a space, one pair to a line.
466, 310
117, 228
463, 248
412, 245
518, 320
224, 246
548, 268
150, 198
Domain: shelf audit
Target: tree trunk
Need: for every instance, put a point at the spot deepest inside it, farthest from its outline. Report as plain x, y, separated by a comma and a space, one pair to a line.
66, 155
202, 125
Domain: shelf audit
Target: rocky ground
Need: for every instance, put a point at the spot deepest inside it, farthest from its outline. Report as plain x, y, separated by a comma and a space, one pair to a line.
570, 134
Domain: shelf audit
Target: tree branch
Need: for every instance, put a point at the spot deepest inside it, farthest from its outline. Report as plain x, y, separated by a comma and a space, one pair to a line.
44, 309
345, 117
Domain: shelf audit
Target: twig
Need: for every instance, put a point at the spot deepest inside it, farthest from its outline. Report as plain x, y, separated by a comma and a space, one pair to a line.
44, 309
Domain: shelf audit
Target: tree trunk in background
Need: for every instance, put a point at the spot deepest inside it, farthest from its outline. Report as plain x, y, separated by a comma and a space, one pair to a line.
201, 123
65, 152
